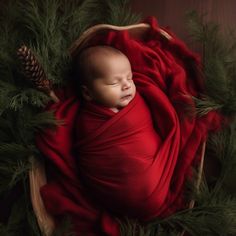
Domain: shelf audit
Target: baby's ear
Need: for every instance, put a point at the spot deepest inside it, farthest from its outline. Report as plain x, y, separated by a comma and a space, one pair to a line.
86, 93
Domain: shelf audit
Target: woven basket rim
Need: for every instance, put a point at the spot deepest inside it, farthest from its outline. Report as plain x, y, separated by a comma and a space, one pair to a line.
137, 30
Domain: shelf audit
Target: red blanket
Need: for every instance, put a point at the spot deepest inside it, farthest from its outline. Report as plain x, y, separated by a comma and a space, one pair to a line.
134, 163
118, 159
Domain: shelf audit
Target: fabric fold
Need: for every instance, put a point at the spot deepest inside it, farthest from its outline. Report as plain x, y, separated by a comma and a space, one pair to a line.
116, 161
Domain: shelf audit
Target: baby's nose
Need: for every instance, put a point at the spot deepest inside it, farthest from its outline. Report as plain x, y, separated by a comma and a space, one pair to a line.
126, 84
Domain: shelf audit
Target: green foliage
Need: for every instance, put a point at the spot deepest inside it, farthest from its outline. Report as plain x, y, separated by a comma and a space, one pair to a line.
130, 227
14, 97
222, 146
219, 57
12, 173
119, 13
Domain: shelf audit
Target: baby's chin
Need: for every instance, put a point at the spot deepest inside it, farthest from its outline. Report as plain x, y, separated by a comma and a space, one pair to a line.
121, 105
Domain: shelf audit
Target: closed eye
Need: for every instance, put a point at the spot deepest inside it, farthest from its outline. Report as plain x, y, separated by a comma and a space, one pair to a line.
114, 83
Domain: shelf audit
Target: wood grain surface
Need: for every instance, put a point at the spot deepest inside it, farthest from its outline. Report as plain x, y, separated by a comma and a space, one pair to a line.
172, 13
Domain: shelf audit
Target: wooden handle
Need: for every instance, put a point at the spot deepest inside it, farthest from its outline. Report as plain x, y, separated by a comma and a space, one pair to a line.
136, 31
37, 178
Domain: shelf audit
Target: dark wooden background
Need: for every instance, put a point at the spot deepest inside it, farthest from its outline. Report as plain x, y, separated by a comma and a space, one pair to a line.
172, 13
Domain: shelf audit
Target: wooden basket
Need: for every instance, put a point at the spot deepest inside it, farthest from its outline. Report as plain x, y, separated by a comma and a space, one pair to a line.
37, 174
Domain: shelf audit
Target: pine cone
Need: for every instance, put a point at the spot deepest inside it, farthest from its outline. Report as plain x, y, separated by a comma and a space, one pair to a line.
33, 70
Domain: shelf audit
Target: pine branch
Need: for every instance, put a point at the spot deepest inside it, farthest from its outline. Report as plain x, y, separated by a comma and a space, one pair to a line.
43, 120
201, 220
119, 13
13, 150
79, 16
14, 98
18, 130
129, 227
204, 220
205, 104
14, 165
12, 172
6, 90
222, 146
28, 96
213, 205
219, 57
43, 27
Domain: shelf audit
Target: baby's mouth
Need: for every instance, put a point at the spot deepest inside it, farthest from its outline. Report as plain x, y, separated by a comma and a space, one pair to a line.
126, 97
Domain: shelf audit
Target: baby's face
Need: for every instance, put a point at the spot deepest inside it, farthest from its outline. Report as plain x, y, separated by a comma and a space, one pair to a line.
113, 86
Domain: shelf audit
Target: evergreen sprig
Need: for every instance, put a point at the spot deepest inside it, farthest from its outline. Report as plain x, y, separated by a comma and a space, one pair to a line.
79, 16
222, 146
119, 13
219, 57
28, 96
42, 25
8, 150
12, 173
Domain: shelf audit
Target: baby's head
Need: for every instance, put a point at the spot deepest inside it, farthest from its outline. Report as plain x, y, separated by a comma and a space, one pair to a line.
106, 76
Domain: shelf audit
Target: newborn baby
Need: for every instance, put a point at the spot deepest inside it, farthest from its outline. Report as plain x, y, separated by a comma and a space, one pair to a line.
106, 77
116, 143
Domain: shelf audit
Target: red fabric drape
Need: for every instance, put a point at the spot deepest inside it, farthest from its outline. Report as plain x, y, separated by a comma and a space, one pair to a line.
118, 159
165, 78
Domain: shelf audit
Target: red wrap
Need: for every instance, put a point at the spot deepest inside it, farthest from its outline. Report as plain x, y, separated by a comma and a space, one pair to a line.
135, 162
118, 159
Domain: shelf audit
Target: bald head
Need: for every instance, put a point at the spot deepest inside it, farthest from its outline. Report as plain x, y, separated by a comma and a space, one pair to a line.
105, 77
90, 62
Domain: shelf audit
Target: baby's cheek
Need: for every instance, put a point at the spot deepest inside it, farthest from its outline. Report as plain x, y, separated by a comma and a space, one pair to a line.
109, 98
115, 91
